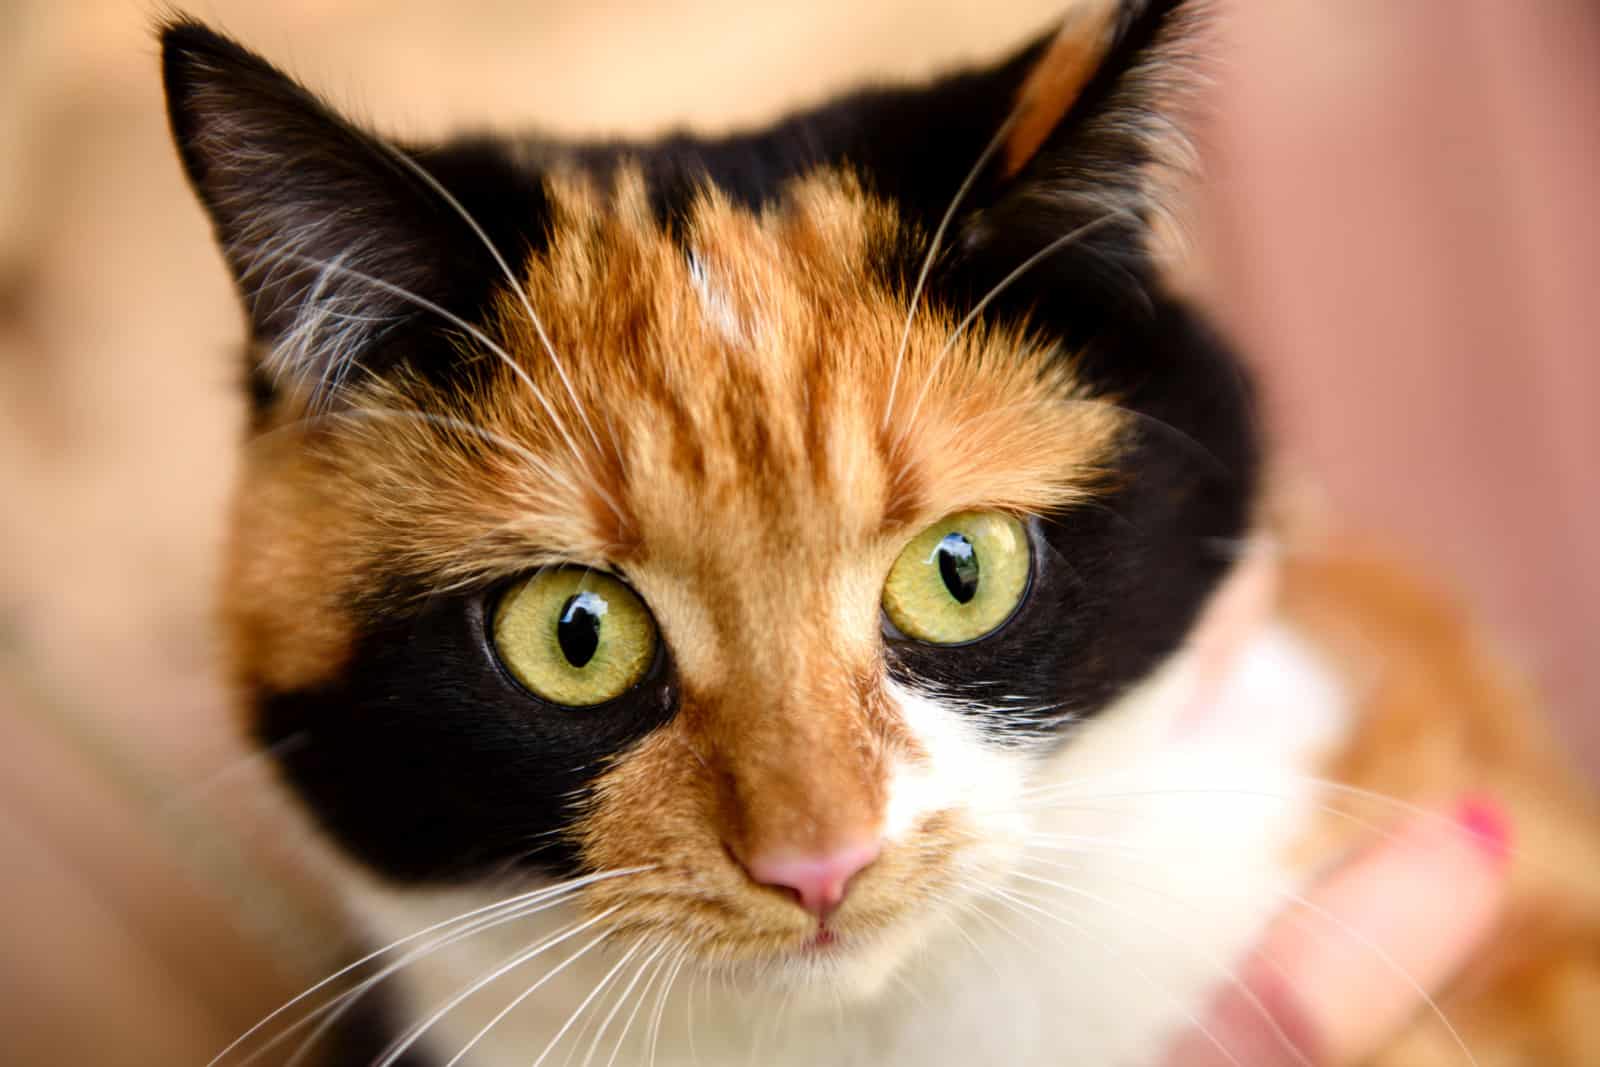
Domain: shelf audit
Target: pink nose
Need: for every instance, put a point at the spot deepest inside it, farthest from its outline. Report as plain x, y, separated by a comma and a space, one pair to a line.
818, 881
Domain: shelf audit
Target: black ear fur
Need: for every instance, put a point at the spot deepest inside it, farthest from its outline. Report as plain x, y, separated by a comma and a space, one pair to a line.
325, 225
290, 185
1104, 152
1107, 150
915, 146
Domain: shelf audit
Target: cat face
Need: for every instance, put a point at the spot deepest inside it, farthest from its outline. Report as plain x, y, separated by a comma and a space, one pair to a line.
735, 517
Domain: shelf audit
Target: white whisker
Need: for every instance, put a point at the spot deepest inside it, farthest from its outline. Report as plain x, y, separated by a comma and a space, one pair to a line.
336, 1008
688, 1010
933, 252
1187, 945
1062, 795
1392, 965
415, 1034
661, 1001
1005, 283
969, 905
656, 974
572, 1018
622, 999
492, 346
302, 338
1017, 901
516, 286
1289, 897
498, 907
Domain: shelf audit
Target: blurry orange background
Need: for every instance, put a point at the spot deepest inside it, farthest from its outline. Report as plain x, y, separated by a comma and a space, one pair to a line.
1397, 221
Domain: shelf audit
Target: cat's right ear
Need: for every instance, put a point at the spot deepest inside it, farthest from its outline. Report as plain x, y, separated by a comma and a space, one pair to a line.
344, 246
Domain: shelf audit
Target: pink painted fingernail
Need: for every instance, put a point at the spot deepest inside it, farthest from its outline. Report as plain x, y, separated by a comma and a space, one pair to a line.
1488, 824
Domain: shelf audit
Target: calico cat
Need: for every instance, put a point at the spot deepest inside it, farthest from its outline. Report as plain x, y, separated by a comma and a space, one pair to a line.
745, 600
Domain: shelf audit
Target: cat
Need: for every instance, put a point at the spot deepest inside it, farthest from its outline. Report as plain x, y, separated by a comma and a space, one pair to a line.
750, 599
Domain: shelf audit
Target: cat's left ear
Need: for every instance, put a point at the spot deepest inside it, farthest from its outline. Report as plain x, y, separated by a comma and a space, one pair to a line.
1097, 114
1079, 131
351, 252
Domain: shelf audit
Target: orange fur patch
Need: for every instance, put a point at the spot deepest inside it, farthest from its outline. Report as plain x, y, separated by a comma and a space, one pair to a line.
289, 582
1440, 717
725, 418
1055, 84
753, 386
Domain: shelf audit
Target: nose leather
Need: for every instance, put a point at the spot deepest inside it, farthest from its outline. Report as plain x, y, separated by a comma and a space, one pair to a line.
818, 881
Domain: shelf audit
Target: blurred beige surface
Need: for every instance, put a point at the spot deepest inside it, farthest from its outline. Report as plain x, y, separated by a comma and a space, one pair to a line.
1398, 218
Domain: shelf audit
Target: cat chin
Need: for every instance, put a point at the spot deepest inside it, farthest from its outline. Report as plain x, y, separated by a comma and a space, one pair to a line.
862, 969
857, 972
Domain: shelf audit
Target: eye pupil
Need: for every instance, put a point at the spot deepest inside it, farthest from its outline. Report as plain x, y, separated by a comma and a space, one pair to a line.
958, 566
578, 627
959, 580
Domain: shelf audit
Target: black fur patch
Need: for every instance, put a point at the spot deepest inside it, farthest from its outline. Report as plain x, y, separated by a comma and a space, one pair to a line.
915, 146
910, 145
1118, 584
291, 185
429, 762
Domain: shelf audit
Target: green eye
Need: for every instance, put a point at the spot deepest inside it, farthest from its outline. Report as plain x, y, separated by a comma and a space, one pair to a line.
574, 637
959, 579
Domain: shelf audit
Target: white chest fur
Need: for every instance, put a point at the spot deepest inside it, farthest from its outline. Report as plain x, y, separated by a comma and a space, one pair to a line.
1158, 854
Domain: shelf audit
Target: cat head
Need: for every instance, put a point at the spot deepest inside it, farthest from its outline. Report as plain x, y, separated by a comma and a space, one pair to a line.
757, 516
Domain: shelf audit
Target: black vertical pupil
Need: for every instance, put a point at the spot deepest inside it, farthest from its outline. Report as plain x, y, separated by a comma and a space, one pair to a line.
958, 566
578, 629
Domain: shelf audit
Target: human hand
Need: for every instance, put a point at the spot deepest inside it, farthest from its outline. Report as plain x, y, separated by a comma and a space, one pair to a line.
1339, 978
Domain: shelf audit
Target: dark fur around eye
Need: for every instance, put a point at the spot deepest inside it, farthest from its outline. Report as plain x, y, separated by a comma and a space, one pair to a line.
1116, 585
428, 761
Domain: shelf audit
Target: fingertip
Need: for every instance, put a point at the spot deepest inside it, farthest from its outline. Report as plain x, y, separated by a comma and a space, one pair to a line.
1487, 824
1347, 966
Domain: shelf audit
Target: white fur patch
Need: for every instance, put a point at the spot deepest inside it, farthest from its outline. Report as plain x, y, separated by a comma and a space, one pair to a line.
1125, 876
958, 772
716, 304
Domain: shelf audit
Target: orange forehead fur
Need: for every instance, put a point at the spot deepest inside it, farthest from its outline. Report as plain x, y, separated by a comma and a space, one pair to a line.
723, 417
742, 390
741, 400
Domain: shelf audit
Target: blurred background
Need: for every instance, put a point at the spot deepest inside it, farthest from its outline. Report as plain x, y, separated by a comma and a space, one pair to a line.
1397, 220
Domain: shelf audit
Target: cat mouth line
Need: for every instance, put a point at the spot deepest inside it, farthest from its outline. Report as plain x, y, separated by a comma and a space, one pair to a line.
822, 940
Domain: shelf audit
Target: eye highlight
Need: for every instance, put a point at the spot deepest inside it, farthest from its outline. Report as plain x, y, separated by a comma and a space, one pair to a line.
573, 636
959, 579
